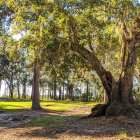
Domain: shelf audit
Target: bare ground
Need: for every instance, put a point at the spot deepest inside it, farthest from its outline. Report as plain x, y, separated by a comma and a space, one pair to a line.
14, 126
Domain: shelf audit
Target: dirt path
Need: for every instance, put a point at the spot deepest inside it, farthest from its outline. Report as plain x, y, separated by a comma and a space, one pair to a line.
72, 128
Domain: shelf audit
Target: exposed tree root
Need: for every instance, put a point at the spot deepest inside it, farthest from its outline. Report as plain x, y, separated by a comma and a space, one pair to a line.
98, 110
118, 109
37, 108
115, 109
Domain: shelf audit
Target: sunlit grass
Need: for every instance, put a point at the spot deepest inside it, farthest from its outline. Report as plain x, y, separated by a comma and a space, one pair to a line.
51, 105
123, 134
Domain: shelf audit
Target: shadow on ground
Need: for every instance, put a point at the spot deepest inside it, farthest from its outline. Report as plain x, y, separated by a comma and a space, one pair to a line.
72, 126
47, 124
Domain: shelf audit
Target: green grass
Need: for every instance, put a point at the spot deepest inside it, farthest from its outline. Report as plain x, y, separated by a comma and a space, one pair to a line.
51, 105
123, 134
49, 120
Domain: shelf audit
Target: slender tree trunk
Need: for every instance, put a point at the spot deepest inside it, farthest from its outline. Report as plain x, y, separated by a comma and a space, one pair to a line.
60, 93
70, 91
51, 94
35, 88
55, 88
11, 90
67, 92
87, 91
18, 89
63, 92
48, 91
43, 93
24, 91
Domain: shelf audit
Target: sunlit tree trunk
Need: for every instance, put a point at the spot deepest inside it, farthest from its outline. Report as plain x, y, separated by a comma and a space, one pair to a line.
105, 97
119, 92
35, 88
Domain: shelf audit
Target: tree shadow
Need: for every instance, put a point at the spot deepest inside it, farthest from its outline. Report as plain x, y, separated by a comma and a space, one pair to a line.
17, 118
55, 124
73, 126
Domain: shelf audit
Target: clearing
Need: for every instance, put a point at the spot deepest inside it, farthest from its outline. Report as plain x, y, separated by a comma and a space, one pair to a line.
61, 120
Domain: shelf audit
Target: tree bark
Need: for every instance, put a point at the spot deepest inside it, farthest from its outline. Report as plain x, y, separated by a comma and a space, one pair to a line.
118, 92
11, 92
18, 89
11, 89
105, 97
70, 91
35, 88
127, 79
105, 76
60, 93
24, 91
63, 92
54, 90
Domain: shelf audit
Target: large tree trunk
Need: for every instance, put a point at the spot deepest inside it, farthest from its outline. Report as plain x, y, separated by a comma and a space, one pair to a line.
127, 79
121, 97
119, 93
35, 88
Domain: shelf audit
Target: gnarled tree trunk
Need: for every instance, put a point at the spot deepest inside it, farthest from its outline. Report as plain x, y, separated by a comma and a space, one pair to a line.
120, 97
119, 92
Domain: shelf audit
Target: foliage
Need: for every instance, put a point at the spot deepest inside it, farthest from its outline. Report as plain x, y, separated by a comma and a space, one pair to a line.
71, 43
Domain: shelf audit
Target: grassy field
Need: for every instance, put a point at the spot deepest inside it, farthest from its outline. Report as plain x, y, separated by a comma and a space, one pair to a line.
13, 105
